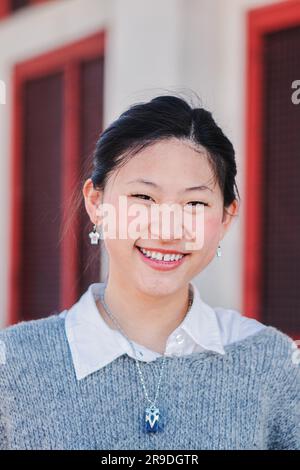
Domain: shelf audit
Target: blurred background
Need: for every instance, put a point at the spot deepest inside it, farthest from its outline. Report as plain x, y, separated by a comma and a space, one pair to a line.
69, 67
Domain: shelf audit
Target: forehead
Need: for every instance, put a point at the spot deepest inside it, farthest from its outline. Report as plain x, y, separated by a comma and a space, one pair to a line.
168, 162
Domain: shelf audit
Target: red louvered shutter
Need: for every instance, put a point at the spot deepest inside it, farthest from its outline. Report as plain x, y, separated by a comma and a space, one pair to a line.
281, 176
57, 121
40, 268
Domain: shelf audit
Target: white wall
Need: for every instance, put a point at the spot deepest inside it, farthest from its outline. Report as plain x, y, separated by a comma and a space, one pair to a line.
153, 47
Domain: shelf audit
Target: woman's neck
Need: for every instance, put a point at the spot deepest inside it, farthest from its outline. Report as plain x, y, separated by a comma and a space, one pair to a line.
145, 319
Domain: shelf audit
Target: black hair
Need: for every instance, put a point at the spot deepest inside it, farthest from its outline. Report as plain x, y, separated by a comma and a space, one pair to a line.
145, 123
165, 117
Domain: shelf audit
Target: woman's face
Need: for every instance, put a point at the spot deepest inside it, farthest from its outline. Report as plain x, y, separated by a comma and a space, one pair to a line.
172, 166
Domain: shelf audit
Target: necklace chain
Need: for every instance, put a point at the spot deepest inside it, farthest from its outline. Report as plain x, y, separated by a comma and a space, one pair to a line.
133, 348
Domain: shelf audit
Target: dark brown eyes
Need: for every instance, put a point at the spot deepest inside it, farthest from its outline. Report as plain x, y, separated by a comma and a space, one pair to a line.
146, 197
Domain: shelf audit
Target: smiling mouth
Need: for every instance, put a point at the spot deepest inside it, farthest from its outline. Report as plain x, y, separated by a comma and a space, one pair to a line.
163, 259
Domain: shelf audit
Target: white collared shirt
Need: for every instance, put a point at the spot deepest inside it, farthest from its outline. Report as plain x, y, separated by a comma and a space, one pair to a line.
94, 344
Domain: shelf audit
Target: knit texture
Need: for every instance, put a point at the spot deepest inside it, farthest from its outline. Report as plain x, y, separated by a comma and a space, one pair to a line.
248, 398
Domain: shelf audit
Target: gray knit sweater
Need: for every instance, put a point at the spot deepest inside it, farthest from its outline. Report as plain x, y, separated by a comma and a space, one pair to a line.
248, 398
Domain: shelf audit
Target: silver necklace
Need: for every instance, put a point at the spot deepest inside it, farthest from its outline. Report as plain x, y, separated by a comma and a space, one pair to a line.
152, 416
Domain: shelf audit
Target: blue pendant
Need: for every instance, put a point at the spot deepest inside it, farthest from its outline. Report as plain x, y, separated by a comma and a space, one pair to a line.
152, 417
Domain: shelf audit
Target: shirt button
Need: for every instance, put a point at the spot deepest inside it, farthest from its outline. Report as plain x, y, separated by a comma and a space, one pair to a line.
179, 338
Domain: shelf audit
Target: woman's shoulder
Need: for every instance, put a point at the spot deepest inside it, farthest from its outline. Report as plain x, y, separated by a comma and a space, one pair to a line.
235, 326
238, 329
275, 348
30, 341
32, 329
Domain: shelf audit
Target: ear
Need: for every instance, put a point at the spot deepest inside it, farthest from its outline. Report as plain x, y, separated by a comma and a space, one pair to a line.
92, 200
228, 215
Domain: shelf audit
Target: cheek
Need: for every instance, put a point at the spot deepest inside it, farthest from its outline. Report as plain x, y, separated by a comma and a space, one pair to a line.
132, 221
207, 232
203, 257
119, 251
124, 232
212, 228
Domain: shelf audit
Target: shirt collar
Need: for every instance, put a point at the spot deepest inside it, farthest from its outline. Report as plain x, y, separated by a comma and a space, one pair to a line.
202, 325
94, 344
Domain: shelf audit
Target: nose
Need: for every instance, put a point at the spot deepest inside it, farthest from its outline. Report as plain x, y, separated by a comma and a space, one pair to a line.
167, 223
172, 223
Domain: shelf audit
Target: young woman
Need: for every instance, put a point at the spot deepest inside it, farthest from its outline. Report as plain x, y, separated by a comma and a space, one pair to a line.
141, 361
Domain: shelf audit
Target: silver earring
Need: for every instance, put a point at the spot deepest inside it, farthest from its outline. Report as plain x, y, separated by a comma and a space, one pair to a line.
95, 235
219, 252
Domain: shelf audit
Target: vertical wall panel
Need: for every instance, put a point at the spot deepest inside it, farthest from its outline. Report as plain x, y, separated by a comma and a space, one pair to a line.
58, 105
42, 121
281, 220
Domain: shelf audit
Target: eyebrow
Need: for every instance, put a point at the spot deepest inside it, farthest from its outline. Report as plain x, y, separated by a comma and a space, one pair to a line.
154, 185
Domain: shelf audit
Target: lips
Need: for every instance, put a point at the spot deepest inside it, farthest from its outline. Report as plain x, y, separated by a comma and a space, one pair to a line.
163, 251
161, 265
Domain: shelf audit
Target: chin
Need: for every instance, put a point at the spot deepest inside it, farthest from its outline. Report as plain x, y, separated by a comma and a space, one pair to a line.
157, 286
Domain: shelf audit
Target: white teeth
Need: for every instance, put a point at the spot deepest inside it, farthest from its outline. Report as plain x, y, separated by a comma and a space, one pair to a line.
159, 256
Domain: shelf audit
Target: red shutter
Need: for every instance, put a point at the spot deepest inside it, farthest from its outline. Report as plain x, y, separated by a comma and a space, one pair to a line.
281, 214
42, 171
272, 223
58, 101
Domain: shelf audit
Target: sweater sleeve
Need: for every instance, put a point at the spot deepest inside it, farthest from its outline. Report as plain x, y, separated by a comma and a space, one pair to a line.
4, 373
285, 411
2, 433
